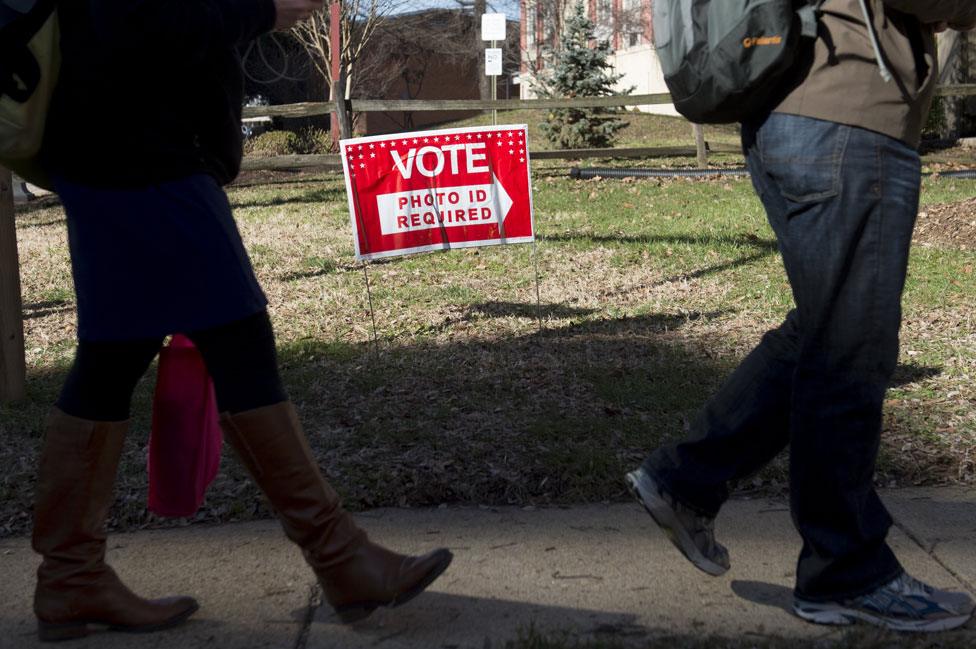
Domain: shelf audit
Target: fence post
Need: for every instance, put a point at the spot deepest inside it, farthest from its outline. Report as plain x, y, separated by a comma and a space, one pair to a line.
335, 15
700, 145
13, 370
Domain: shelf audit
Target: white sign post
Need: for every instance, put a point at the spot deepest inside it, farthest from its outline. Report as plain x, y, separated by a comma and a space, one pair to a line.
493, 29
493, 61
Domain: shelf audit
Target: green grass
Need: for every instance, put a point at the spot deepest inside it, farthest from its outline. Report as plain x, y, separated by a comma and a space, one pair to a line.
861, 638
642, 130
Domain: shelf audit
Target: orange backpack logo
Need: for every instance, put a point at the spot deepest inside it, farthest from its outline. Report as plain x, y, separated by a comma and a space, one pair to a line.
757, 41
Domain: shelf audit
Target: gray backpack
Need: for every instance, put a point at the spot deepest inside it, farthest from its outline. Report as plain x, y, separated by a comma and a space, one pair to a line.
725, 60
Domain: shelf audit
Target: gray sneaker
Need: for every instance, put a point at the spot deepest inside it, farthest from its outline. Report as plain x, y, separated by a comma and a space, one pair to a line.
905, 604
690, 532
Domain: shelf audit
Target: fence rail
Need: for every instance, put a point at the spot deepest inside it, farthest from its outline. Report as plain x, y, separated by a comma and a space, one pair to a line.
333, 163
312, 109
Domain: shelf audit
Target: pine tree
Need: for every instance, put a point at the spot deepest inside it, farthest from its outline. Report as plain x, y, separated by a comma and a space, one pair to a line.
580, 70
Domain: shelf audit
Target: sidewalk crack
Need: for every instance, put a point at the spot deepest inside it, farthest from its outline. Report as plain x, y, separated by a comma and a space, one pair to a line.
931, 552
314, 601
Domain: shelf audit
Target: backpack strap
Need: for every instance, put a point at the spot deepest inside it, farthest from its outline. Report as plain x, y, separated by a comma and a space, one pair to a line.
20, 73
809, 14
21, 29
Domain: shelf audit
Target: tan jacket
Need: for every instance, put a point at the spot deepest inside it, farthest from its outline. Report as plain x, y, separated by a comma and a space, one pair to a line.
844, 83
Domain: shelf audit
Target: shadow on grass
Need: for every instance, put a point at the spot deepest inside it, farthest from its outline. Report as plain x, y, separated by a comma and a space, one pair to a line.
908, 374
766, 248
554, 417
321, 268
37, 205
61, 220
858, 637
47, 307
768, 245
523, 310
320, 195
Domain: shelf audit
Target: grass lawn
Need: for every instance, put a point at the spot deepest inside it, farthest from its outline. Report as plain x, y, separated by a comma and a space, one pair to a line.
651, 291
860, 638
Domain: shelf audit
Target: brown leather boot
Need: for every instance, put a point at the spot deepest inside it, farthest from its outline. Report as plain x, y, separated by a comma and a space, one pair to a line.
75, 587
357, 575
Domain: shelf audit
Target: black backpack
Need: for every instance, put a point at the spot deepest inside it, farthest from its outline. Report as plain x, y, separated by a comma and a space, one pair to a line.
724, 60
29, 63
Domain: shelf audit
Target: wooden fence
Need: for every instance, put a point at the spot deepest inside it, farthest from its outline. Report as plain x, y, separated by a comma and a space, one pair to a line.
333, 162
12, 366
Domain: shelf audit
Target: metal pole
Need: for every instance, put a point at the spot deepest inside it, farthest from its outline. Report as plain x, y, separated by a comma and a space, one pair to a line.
700, 146
372, 314
538, 295
13, 368
494, 93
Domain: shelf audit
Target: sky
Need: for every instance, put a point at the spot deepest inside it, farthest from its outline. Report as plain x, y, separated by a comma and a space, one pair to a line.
508, 7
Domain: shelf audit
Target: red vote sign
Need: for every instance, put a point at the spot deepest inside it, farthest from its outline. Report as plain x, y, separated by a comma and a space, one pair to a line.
437, 190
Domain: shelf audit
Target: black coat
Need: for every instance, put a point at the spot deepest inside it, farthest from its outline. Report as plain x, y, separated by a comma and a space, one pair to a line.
150, 90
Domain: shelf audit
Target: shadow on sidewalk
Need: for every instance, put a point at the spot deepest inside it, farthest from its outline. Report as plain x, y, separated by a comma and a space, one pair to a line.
446, 620
766, 594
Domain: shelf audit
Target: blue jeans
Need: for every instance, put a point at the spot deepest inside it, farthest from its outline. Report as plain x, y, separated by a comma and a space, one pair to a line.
842, 202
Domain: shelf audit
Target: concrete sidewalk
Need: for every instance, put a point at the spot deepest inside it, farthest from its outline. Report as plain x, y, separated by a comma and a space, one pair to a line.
595, 571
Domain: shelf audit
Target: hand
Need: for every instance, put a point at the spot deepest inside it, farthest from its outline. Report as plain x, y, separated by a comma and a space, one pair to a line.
289, 12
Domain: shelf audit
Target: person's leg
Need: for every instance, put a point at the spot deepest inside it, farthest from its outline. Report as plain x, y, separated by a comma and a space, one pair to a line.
103, 376
741, 428
82, 446
243, 362
848, 200
357, 575
844, 202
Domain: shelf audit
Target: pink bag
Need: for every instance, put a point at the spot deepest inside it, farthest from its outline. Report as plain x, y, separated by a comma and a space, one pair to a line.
184, 446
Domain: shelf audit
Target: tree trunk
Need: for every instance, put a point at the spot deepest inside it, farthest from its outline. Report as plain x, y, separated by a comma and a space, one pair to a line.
484, 85
343, 114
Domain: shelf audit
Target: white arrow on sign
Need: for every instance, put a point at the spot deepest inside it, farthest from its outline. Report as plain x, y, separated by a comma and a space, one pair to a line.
448, 207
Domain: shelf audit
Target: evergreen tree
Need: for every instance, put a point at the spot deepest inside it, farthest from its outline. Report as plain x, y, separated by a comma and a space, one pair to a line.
580, 70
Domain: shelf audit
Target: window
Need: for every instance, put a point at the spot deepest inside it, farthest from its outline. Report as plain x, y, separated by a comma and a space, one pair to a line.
632, 20
604, 13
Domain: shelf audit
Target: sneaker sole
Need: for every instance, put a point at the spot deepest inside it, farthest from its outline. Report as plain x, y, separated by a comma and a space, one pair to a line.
832, 615
664, 516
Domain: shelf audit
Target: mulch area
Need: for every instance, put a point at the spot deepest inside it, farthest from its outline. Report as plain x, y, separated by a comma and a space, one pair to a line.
948, 225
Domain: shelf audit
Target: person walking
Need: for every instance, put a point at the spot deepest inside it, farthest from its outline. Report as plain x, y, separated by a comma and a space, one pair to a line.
144, 130
836, 167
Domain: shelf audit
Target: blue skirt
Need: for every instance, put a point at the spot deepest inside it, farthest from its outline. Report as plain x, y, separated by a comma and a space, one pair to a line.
156, 260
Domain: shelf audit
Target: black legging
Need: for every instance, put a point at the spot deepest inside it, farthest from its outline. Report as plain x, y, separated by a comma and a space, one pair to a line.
240, 357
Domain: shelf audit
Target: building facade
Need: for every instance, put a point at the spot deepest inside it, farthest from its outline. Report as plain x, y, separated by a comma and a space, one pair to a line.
626, 24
